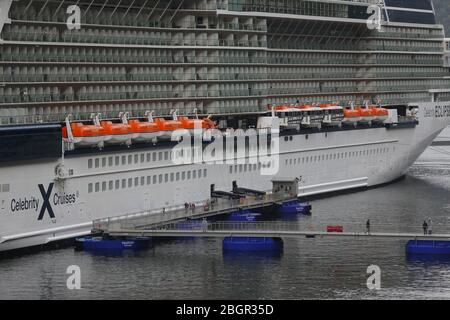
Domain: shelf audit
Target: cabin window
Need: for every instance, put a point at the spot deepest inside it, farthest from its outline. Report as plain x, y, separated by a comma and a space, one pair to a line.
124, 183
111, 185
231, 169
183, 175
188, 175
200, 171
142, 181
160, 178
130, 159
97, 186
154, 179
154, 156
136, 181
166, 177
97, 162
130, 182
172, 176
160, 156
90, 188
136, 158
110, 161
117, 160
205, 172
117, 184
166, 155
194, 174
149, 157
124, 160
103, 162
142, 158
177, 176
90, 164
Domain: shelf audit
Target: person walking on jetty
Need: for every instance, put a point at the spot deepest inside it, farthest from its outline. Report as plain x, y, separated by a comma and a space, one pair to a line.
205, 225
425, 228
430, 226
368, 226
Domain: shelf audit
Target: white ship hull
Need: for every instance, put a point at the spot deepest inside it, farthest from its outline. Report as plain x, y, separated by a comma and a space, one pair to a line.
36, 208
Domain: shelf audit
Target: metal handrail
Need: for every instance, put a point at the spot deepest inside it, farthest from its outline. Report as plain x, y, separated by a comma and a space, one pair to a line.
157, 217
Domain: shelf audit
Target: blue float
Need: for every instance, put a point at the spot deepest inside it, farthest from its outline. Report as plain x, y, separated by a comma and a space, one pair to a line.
295, 207
251, 244
244, 215
99, 243
428, 247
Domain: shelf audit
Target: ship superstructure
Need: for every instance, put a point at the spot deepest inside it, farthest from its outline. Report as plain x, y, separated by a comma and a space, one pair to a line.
220, 57
350, 93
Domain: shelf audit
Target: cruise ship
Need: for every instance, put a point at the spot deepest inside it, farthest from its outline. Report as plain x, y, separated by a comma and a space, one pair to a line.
117, 107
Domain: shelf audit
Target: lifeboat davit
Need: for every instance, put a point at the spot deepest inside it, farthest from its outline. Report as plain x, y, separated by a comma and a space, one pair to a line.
118, 132
144, 131
83, 135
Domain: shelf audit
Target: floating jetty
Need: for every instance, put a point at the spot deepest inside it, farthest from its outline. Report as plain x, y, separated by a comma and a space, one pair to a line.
294, 207
101, 243
428, 247
244, 215
252, 244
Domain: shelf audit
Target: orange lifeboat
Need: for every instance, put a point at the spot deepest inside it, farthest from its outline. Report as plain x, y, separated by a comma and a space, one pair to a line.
144, 131
373, 113
365, 114
327, 105
83, 135
282, 108
191, 124
166, 127
304, 107
352, 116
118, 132
382, 114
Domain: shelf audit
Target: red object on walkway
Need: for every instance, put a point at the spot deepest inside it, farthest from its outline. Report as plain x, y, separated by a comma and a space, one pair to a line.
335, 229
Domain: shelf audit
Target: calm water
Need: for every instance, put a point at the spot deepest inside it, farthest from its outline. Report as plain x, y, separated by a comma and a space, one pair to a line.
307, 268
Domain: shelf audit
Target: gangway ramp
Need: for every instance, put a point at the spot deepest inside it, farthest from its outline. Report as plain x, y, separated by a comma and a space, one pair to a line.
161, 218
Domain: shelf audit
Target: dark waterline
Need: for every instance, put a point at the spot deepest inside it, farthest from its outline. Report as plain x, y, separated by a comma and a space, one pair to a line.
306, 269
